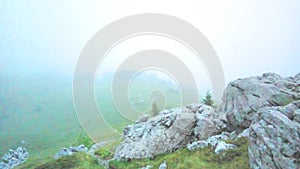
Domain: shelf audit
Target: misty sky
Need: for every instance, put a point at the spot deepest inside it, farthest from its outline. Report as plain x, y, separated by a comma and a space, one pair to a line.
250, 37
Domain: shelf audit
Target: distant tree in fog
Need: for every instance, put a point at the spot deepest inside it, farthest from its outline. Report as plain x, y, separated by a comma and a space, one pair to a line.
154, 108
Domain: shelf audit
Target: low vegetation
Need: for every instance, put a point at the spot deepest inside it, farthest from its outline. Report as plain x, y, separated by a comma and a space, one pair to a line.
47, 158
203, 158
208, 100
76, 161
84, 139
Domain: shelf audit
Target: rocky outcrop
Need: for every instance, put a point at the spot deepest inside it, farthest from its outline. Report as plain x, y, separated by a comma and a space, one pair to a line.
244, 97
168, 131
216, 142
70, 151
13, 158
275, 137
266, 109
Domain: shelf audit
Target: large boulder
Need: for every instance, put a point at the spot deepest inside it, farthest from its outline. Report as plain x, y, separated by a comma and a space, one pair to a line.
244, 97
168, 131
274, 137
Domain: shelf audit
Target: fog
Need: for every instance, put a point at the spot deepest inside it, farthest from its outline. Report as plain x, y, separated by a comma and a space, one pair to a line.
41, 41
250, 37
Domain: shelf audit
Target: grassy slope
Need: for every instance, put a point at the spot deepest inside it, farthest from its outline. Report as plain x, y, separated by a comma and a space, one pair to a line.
42, 113
39, 109
76, 161
200, 159
181, 159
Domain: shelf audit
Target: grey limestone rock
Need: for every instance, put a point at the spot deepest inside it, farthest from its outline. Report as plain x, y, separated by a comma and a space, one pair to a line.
168, 131
244, 97
13, 158
70, 151
274, 138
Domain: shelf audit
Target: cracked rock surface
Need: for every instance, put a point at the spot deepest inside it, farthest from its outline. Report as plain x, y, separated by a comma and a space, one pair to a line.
244, 97
274, 138
168, 131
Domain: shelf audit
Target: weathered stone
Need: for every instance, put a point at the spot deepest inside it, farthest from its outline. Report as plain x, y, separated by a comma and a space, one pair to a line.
13, 158
275, 138
243, 97
245, 133
168, 131
208, 123
216, 142
70, 151
163, 165
222, 146
197, 145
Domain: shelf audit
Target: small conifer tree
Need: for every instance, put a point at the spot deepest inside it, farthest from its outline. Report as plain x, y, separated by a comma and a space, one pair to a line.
208, 99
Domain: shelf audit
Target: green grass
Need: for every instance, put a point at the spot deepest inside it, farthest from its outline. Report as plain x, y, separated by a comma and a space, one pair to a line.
201, 159
84, 139
76, 161
107, 152
34, 161
104, 154
39, 110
